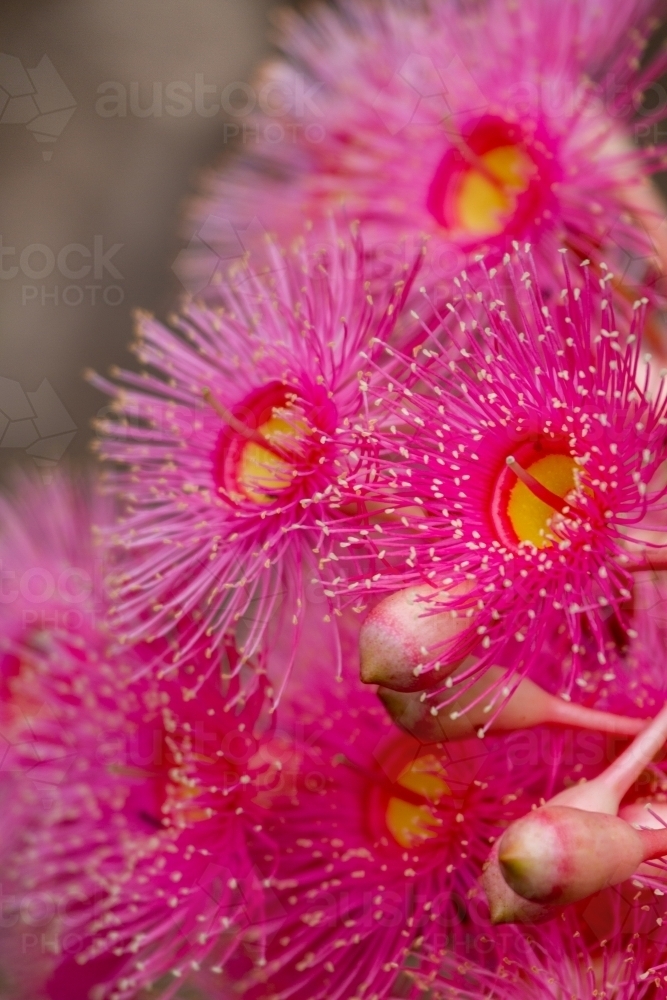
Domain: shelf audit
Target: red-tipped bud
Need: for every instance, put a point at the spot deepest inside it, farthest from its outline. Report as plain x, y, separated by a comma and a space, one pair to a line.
406, 632
474, 711
558, 855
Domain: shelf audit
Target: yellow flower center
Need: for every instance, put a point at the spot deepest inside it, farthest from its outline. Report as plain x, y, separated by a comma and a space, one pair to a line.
264, 445
531, 517
486, 198
411, 824
261, 473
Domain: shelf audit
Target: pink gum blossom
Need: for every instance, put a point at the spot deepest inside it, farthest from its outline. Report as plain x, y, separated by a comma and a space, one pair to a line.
577, 844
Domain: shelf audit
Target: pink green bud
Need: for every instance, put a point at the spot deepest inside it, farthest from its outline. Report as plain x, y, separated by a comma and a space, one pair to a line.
505, 906
576, 844
406, 632
558, 854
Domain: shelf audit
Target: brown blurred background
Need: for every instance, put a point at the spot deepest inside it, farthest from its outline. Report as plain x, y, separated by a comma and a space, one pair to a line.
101, 142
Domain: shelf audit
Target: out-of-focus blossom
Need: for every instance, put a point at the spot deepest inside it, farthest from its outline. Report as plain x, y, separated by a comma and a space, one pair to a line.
474, 124
134, 805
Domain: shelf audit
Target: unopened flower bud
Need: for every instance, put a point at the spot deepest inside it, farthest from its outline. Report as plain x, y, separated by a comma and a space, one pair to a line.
409, 631
560, 855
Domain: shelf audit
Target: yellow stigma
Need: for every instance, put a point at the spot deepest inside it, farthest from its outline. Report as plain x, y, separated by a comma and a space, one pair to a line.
483, 206
261, 473
410, 824
531, 517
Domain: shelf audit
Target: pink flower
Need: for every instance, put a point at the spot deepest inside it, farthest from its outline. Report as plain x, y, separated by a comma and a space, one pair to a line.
476, 126
239, 448
133, 805
382, 846
51, 573
140, 805
521, 467
50, 583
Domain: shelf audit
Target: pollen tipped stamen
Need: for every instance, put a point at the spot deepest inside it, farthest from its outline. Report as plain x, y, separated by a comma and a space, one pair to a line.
559, 504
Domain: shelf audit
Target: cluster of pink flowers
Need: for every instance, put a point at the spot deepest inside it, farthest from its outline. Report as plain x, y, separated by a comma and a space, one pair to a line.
345, 679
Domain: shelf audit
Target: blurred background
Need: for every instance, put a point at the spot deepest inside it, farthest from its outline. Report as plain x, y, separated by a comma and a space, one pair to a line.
109, 109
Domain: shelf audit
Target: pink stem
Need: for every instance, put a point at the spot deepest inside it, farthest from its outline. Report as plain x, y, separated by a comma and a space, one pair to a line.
647, 566
567, 714
626, 769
